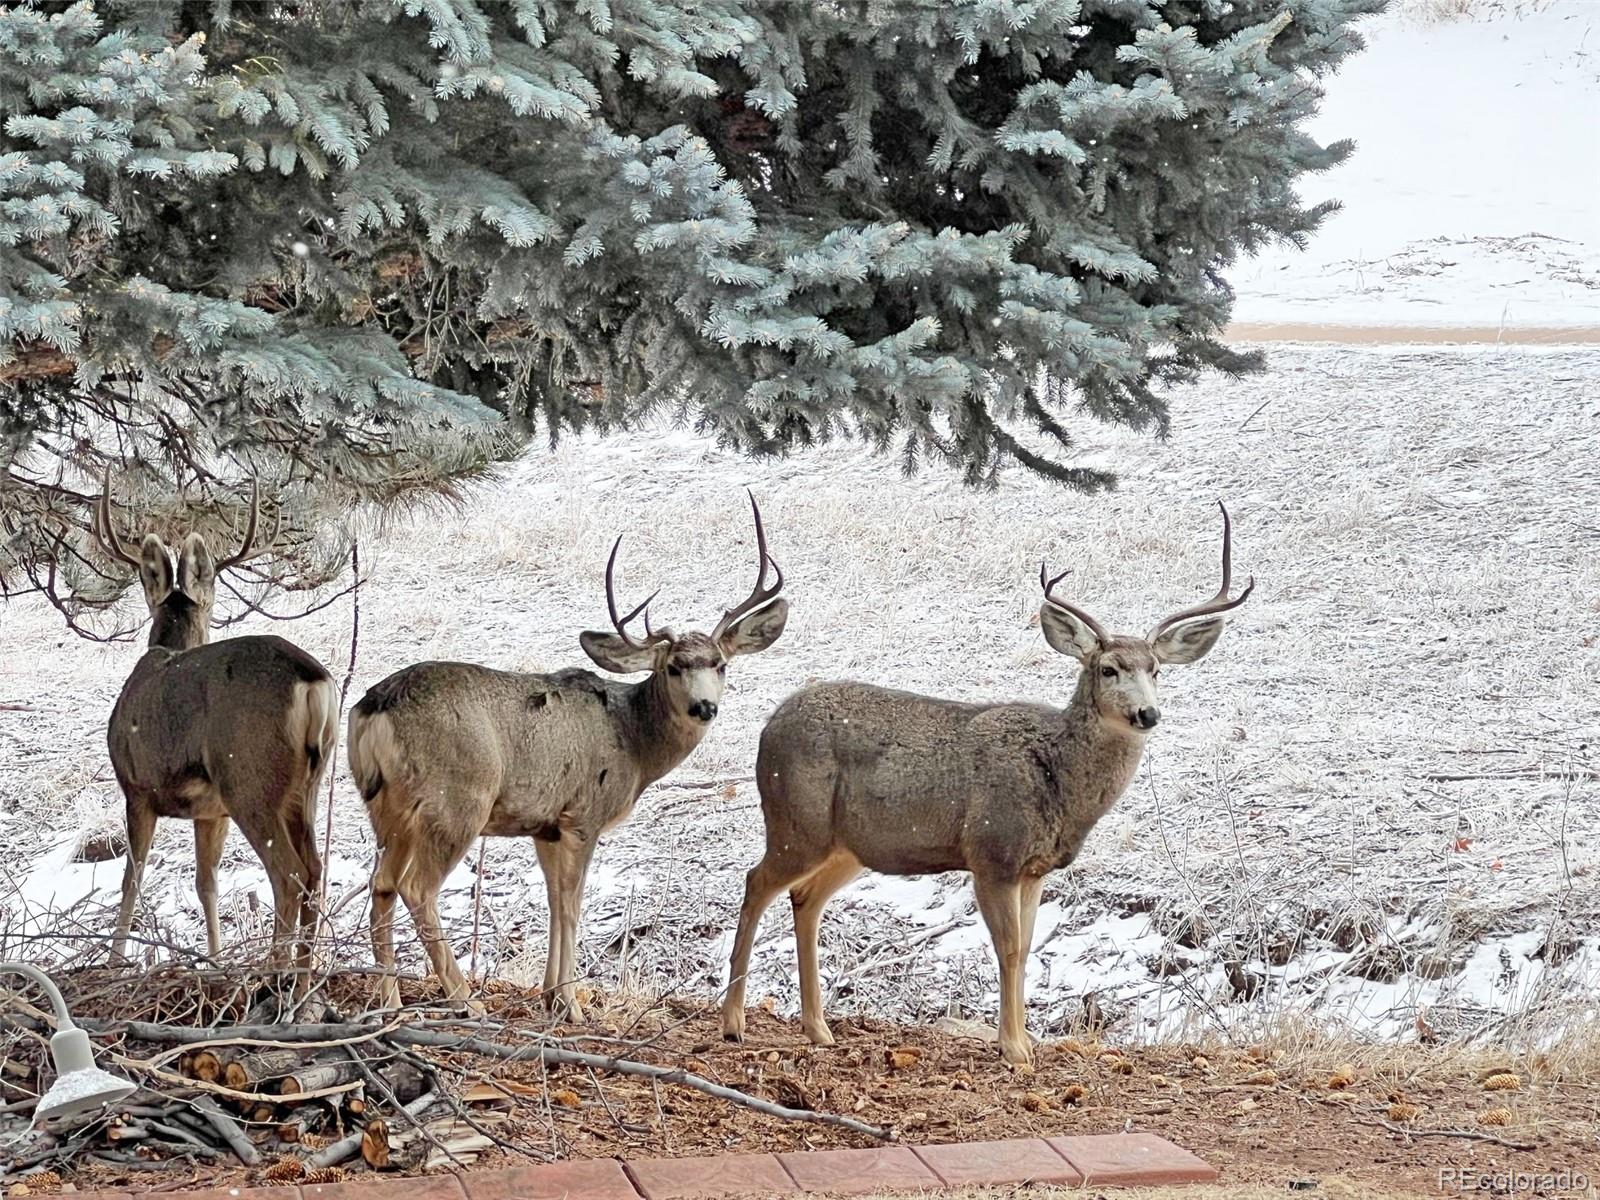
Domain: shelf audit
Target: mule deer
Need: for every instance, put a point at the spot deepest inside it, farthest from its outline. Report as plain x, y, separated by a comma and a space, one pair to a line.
855, 777
447, 752
241, 729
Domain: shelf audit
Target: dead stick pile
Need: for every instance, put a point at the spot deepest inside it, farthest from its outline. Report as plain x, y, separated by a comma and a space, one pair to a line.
305, 1099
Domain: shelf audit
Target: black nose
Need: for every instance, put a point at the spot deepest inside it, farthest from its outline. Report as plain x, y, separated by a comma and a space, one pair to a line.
1146, 718
703, 710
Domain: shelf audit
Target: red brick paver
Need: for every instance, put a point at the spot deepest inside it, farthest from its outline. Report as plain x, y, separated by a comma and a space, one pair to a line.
572, 1179
721, 1175
848, 1171
1132, 1158
417, 1187
1025, 1160
1108, 1159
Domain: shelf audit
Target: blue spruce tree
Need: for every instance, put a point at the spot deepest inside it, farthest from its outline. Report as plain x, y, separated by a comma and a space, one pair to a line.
360, 248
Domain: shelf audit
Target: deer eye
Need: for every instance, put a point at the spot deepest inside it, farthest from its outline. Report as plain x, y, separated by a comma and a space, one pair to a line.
722, 668
674, 671
1108, 672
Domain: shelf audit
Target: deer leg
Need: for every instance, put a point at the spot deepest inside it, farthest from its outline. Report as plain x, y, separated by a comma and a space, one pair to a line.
419, 888
1000, 902
550, 862
304, 840
389, 866
571, 862
141, 832
209, 836
808, 898
1032, 888
286, 872
761, 887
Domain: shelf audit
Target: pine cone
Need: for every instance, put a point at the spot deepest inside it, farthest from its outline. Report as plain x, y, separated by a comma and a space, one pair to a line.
325, 1175
1503, 1082
286, 1170
1495, 1116
1401, 1112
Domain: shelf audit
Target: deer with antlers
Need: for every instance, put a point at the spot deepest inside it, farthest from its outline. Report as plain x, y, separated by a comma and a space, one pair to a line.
444, 753
860, 778
211, 732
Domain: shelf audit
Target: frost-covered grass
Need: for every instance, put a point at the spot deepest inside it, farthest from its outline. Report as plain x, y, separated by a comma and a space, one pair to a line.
1423, 529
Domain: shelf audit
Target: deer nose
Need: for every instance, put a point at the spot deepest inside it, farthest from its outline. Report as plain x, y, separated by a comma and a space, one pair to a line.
703, 710
1146, 718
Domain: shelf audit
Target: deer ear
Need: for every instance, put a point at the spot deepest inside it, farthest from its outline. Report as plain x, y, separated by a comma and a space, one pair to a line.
755, 631
1066, 634
197, 570
610, 653
155, 571
1189, 642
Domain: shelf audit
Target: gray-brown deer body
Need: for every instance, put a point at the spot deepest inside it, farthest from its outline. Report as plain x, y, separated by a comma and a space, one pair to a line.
445, 753
855, 777
240, 730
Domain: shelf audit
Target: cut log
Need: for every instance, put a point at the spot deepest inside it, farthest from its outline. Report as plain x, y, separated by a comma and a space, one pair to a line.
205, 1066
266, 1066
375, 1145
316, 1076
235, 1076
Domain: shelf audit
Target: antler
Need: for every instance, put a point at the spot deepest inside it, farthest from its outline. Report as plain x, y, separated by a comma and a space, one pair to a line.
620, 624
105, 530
1218, 603
246, 550
1048, 584
759, 595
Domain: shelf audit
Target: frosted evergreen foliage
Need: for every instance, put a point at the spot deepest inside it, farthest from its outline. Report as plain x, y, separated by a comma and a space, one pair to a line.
363, 247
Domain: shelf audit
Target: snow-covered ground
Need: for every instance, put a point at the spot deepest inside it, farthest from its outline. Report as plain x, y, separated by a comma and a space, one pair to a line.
1423, 529
1471, 199
1376, 800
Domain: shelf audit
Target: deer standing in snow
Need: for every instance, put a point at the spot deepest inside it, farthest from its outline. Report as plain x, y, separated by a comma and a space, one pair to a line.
855, 777
209, 732
445, 753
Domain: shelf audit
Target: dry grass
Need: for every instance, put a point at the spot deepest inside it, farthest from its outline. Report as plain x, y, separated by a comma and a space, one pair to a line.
1421, 524
1444, 12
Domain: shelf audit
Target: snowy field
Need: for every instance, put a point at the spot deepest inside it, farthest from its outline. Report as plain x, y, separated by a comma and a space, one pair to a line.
1375, 803
1470, 200
1377, 796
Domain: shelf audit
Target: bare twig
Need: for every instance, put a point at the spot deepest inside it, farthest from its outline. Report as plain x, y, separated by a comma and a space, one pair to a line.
1470, 1134
344, 694
553, 1055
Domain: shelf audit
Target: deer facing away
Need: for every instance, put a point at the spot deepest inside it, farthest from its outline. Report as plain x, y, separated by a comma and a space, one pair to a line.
855, 777
444, 753
209, 732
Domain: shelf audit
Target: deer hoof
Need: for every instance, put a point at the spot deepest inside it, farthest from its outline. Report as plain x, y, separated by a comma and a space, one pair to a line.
1020, 1057
819, 1034
733, 1025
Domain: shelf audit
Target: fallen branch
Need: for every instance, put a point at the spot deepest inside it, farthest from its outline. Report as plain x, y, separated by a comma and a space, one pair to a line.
1470, 1134
228, 1129
349, 1146
560, 1056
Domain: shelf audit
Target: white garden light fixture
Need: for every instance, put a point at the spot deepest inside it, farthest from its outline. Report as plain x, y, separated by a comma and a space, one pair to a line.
80, 1086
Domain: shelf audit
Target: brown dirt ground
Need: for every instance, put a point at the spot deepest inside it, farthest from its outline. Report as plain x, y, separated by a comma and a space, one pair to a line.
1266, 1117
